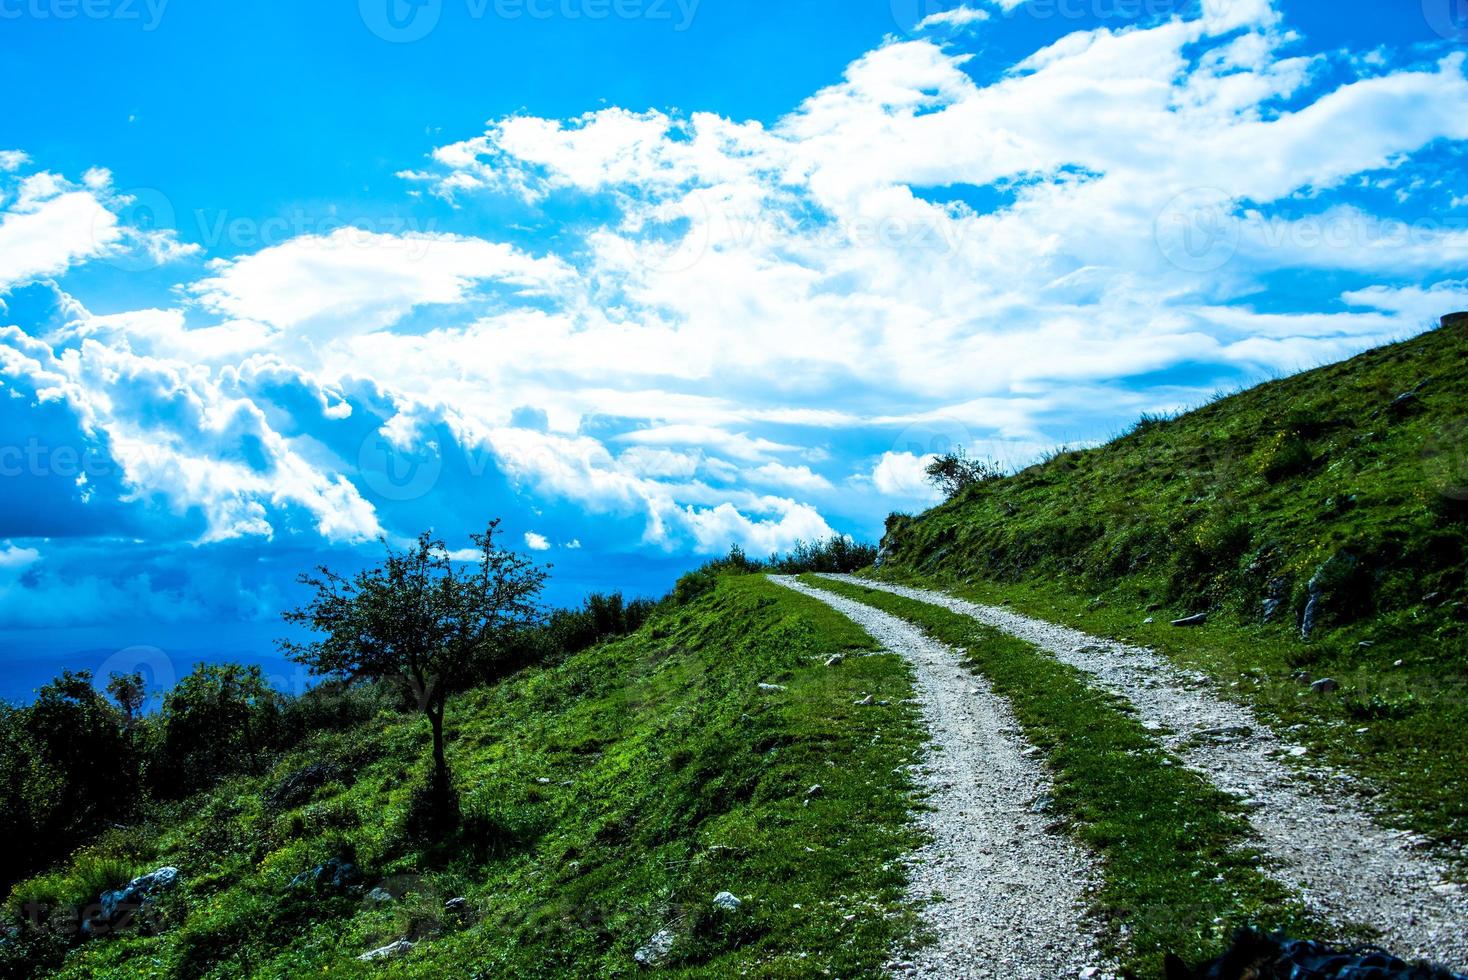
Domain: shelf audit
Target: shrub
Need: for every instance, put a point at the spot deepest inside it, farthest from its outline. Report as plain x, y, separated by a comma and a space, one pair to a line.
32, 899
23, 808
66, 767
704, 579
954, 472
1285, 455
218, 721
66, 892
837, 554
601, 617
691, 586
495, 828
1206, 560
333, 707
1380, 708
94, 872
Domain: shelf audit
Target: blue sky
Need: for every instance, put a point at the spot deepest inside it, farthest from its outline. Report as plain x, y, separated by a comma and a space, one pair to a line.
646, 278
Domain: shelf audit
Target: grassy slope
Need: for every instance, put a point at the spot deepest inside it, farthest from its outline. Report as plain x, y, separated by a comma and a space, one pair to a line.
685, 780
1247, 498
1178, 873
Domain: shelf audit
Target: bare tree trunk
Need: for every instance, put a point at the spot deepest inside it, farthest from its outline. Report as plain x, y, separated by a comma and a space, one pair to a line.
445, 800
440, 761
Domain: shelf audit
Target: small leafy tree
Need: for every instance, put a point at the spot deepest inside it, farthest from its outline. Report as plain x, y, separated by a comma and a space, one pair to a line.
130, 692
28, 811
218, 720
85, 769
953, 472
423, 619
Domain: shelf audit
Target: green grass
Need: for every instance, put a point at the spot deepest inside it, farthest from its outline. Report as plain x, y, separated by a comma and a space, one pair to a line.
1399, 728
1178, 873
671, 777
1246, 500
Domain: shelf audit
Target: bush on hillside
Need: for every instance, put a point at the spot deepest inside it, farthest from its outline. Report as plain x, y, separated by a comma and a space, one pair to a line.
600, 617
334, 707
25, 801
705, 578
1147, 422
67, 767
954, 472
219, 720
1284, 456
837, 554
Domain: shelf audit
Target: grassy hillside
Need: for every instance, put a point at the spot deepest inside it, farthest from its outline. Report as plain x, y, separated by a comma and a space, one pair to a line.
1322, 523
607, 798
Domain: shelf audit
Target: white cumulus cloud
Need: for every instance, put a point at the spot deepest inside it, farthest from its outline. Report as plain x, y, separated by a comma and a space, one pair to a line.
903, 475
735, 341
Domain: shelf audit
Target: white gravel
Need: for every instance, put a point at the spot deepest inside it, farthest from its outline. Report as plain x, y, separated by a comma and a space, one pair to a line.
1327, 846
1012, 893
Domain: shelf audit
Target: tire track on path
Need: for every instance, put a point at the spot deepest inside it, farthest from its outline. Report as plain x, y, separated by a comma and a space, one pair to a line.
1346, 866
1013, 894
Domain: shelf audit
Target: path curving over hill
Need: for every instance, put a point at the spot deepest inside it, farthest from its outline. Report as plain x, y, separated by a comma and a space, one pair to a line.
1012, 893
1347, 867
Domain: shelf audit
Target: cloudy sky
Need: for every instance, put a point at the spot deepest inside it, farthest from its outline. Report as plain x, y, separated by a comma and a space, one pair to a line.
647, 278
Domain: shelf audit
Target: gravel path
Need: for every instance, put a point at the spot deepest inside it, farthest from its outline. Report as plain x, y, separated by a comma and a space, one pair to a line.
1012, 894
1347, 867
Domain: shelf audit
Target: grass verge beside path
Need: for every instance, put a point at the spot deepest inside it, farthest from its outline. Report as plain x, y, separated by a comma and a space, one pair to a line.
1400, 727
606, 798
1178, 872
